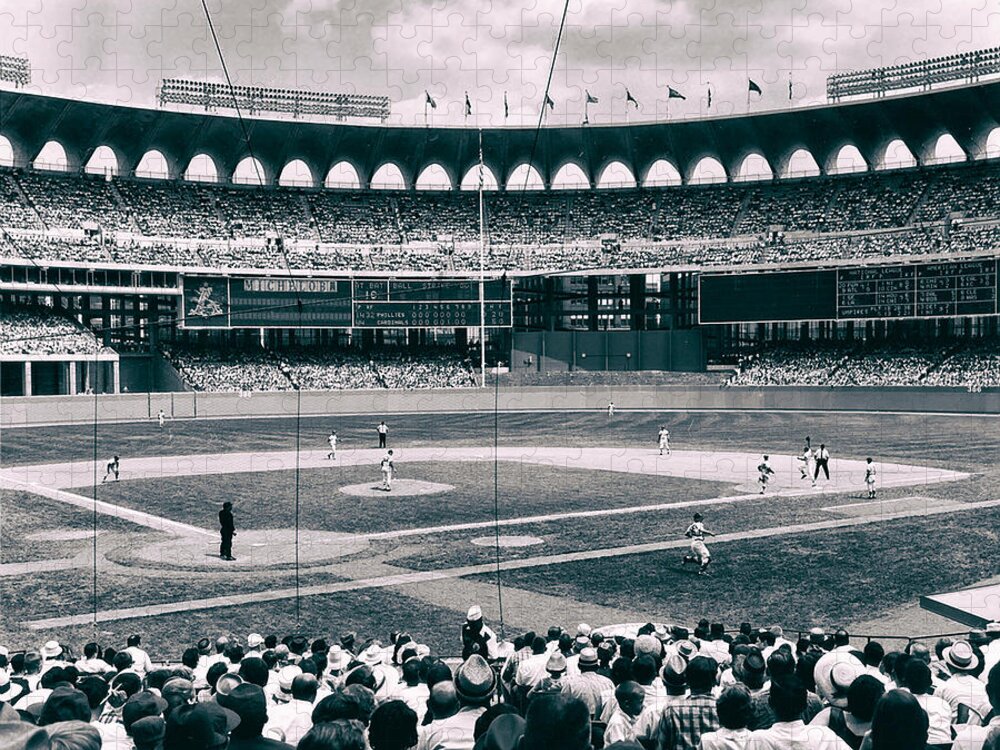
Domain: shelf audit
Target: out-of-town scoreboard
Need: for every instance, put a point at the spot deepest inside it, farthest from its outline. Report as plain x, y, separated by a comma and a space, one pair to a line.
919, 290
289, 302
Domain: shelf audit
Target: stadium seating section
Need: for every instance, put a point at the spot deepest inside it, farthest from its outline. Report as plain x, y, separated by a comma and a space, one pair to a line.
654, 686
319, 369
966, 364
50, 215
39, 332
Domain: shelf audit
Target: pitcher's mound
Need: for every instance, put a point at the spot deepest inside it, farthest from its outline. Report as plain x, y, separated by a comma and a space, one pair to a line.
400, 488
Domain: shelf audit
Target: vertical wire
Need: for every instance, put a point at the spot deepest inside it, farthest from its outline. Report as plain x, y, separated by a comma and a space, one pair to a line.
496, 494
94, 492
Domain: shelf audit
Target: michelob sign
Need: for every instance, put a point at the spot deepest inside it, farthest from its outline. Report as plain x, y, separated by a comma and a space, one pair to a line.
266, 302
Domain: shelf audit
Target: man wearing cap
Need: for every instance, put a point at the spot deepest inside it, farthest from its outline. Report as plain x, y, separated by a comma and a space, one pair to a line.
963, 692
140, 706
592, 688
476, 637
247, 701
205, 726
475, 684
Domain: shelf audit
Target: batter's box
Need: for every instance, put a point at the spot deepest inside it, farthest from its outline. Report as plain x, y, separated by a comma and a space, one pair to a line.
908, 504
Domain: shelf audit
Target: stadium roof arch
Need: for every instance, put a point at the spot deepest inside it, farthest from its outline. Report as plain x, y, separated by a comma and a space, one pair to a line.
969, 113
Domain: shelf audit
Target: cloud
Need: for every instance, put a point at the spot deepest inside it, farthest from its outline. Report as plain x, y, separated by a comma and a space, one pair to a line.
118, 50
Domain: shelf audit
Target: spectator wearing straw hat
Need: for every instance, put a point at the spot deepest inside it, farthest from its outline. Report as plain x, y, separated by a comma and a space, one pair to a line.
962, 690
475, 684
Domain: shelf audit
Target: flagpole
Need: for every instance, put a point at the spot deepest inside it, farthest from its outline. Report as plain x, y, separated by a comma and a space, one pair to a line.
482, 269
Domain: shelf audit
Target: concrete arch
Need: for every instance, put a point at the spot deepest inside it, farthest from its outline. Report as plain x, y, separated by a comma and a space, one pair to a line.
297, 173
841, 159
202, 168
434, 177
799, 162
154, 164
754, 167
524, 177
54, 156
570, 176
104, 160
616, 174
896, 155
662, 172
388, 176
8, 157
706, 169
471, 179
343, 174
947, 149
250, 171
991, 145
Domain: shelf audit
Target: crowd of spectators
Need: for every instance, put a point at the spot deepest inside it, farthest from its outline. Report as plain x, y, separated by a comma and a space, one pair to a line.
652, 687
313, 368
819, 217
41, 332
971, 364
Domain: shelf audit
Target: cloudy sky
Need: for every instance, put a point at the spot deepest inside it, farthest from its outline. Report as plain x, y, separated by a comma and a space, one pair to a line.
118, 50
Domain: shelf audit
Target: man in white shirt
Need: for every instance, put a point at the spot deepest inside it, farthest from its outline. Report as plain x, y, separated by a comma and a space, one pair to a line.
629, 698
991, 654
413, 692
733, 707
140, 659
964, 693
289, 722
917, 679
968, 737
788, 700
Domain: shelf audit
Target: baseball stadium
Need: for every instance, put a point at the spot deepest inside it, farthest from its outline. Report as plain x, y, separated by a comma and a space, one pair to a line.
479, 393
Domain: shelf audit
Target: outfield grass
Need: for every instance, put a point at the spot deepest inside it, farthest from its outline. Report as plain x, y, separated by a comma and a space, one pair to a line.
958, 442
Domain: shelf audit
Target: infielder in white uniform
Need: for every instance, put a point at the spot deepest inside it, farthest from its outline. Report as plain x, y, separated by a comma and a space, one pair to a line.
332, 441
663, 436
387, 471
870, 478
699, 553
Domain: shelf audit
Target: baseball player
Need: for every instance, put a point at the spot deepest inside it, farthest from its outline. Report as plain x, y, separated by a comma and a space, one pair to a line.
699, 553
765, 472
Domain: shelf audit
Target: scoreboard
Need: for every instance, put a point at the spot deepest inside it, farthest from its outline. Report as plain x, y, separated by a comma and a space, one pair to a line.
288, 302
919, 290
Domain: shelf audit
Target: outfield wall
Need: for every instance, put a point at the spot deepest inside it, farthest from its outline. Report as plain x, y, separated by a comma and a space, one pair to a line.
19, 411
